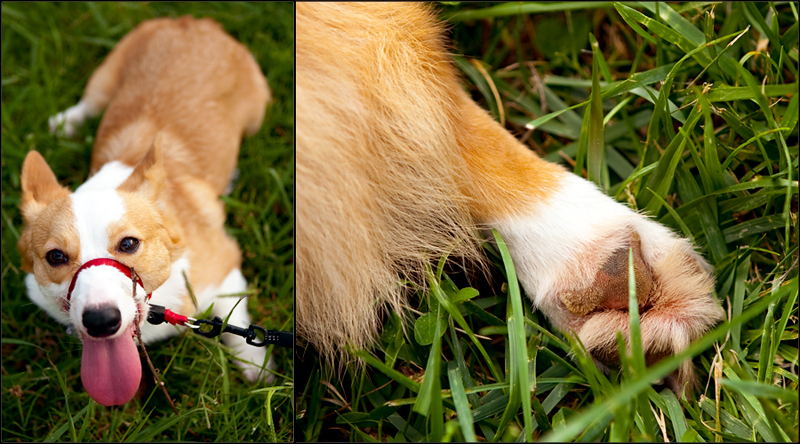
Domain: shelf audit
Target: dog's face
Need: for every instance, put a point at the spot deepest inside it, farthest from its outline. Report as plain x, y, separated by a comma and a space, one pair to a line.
115, 215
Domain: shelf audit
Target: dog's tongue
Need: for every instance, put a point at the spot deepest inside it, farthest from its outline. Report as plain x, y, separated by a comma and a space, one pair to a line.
110, 369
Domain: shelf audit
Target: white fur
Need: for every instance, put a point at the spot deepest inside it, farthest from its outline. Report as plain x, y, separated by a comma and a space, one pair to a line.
561, 243
65, 122
110, 176
250, 358
95, 211
171, 295
48, 297
104, 285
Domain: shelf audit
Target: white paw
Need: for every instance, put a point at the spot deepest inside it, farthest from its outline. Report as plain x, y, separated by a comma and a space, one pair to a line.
253, 372
66, 122
571, 256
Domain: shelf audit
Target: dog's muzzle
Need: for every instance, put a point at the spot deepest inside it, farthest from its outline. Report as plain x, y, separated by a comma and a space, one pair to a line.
104, 261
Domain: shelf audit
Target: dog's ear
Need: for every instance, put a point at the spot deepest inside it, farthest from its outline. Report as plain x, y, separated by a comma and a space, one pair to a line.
39, 187
149, 176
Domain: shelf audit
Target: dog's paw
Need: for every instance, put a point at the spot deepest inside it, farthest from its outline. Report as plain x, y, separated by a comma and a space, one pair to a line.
571, 255
673, 290
252, 363
66, 122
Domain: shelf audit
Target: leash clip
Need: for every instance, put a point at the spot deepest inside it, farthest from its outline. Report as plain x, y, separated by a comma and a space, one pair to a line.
280, 338
158, 314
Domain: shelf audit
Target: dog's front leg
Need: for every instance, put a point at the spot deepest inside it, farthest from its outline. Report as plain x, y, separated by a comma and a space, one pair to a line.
570, 242
251, 359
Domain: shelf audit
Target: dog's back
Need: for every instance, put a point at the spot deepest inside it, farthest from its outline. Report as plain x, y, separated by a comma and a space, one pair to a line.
186, 79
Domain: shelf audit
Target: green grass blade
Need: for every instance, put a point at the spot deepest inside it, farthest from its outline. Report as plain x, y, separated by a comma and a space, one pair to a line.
425, 396
519, 351
726, 93
710, 143
637, 351
662, 177
632, 19
674, 413
738, 299
684, 228
669, 34
759, 22
507, 9
388, 371
762, 390
451, 309
595, 147
660, 370
683, 27
460, 400
730, 423
753, 410
690, 191
583, 143
59, 432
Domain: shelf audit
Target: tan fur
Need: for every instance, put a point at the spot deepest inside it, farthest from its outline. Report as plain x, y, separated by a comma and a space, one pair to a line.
234, 107
40, 188
431, 164
403, 176
407, 177
357, 238
397, 166
38, 239
503, 174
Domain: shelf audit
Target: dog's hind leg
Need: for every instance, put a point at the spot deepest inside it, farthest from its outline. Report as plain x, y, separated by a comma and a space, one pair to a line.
570, 244
103, 83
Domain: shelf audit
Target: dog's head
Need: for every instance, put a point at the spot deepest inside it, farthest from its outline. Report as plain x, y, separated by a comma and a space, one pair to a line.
117, 214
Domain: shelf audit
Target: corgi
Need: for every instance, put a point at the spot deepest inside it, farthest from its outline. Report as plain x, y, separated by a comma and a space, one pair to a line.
179, 94
397, 166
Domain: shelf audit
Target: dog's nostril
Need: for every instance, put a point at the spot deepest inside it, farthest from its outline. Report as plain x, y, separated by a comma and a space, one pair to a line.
102, 322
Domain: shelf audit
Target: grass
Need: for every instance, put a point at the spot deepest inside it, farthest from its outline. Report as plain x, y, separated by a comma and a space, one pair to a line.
48, 52
687, 112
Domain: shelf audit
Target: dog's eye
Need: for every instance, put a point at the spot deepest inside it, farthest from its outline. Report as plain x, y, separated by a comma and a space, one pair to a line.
56, 258
128, 245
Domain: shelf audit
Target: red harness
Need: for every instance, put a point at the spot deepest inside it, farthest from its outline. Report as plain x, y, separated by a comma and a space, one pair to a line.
103, 261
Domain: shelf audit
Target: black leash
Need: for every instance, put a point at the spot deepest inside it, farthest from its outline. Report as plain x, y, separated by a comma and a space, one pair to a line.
158, 314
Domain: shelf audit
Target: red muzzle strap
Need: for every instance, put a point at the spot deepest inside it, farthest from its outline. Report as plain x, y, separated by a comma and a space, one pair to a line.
103, 261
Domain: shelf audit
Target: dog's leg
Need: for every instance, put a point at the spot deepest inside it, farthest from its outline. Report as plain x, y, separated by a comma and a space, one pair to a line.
570, 242
102, 85
251, 358
65, 122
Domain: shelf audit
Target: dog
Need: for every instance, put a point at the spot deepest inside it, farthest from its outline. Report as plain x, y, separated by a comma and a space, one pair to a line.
397, 166
179, 95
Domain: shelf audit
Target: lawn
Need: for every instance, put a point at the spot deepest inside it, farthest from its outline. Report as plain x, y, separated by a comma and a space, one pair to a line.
695, 124
49, 50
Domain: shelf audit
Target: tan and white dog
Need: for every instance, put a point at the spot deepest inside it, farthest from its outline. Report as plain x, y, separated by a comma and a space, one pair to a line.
179, 95
396, 166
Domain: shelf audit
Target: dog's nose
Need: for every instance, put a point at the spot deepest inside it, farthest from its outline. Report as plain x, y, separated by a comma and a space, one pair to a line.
102, 321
